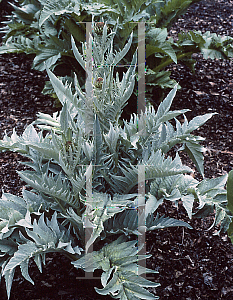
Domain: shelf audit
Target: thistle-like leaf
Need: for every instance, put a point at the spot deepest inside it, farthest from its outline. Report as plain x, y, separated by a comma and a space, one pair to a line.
120, 277
174, 188
15, 211
164, 222
54, 186
63, 92
20, 44
128, 222
212, 195
156, 166
44, 238
101, 207
57, 8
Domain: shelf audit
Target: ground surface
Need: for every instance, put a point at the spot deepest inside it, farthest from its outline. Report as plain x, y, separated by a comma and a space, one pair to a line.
192, 264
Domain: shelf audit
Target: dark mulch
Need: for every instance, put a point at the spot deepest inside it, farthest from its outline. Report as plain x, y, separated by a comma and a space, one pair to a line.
192, 264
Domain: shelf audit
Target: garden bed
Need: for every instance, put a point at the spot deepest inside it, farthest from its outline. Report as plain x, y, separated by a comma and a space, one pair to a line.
192, 264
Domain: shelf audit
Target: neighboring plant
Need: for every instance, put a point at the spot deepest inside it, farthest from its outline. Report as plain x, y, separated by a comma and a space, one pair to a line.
43, 28
85, 169
230, 202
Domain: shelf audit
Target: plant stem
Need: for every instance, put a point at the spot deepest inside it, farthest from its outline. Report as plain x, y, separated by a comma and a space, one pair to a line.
169, 61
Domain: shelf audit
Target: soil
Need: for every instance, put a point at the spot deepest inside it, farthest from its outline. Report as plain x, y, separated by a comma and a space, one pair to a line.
192, 264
